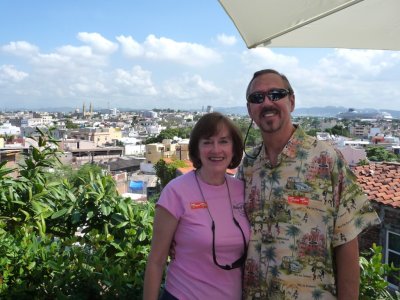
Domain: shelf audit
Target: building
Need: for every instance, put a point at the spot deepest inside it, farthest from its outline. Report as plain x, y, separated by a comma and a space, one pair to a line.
99, 136
360, 131
11, 157
353, 155
7, 129
381, 182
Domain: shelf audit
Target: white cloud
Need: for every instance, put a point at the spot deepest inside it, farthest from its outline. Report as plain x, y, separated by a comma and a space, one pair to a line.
265, 58
226, 40
88, 87
154, 48
70, 74
20, 48
138, 81
371, 61
81, 56
189, 87
130, 47
98, 42
348, 78
10, 73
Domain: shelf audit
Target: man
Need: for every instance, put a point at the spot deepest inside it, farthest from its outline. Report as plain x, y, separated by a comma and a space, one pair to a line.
299, 193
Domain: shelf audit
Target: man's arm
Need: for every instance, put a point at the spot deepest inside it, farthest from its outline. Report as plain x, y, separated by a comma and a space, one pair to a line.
348, 270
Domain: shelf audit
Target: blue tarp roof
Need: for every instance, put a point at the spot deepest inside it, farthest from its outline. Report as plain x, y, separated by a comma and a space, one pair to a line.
136, 185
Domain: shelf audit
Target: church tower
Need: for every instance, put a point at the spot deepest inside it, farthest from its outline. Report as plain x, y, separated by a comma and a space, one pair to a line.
83, 110
91, 110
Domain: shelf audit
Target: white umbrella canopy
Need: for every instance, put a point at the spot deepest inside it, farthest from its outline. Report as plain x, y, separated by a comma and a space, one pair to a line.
353, 24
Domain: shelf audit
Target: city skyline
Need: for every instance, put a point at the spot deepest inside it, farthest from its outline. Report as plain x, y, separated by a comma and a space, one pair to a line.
167, 55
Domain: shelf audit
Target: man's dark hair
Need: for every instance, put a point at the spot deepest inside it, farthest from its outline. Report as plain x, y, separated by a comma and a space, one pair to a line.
270, 71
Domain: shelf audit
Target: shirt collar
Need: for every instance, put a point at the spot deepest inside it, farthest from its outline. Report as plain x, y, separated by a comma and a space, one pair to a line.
290, 148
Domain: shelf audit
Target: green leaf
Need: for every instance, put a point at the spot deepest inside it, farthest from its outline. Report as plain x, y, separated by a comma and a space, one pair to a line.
123, 224
142, 236
118, 217
31, 265
90, 214
106, 210
75, 217
59, 213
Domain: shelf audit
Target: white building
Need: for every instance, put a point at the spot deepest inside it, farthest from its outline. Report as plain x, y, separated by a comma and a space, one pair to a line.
150, 114
8, 129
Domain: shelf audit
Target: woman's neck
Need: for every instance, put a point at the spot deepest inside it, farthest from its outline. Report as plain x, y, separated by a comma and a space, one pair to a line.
211, 178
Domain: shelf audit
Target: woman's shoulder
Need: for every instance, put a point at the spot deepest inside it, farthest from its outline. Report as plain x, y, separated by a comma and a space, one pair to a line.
235, 182
180, 181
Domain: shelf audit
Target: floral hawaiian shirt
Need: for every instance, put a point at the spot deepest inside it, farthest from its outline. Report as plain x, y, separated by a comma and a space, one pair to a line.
299, 211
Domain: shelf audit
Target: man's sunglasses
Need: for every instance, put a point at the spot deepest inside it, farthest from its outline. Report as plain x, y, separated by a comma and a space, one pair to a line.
273, 95
240, 261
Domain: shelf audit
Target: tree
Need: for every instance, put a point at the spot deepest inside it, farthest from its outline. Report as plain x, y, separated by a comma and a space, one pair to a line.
373, 284
169, 134
379, 153
312, 132
253, 135
339, 130
166, 172
69, 239
70, 125
363, 162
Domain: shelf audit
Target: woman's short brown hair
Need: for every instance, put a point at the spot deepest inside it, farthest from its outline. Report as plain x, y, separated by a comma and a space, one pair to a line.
209, 125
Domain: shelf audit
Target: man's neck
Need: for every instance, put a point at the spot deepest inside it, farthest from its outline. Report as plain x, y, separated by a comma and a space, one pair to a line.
275, 142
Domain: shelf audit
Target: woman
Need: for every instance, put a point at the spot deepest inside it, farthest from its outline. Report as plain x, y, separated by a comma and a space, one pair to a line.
201, 213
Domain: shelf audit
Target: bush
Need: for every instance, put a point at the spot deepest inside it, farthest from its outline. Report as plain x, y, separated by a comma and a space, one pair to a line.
373, 285
166, 172
62, 240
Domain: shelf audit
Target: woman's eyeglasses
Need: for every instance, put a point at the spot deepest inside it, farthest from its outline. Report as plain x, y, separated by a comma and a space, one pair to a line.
239, 262
273, 95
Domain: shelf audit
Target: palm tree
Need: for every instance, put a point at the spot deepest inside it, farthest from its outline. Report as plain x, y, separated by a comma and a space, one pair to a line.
263, 173
275, 271
258, 247
301, 154
293, 232
278, 192
273, 177
270, 255
317, 294
359, 222
325, 219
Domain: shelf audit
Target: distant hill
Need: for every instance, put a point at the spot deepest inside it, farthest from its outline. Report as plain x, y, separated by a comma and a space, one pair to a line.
326, 111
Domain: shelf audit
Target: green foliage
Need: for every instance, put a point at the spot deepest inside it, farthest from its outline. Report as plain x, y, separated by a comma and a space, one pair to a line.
154, 198
253, 136
170, 133
312, 132
166, 172
64, 239
379, 153
363, 162
373, 285
85, 173
70, 125
339, 130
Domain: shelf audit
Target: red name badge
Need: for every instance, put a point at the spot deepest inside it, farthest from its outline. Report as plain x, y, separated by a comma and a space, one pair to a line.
298, 200
196, 205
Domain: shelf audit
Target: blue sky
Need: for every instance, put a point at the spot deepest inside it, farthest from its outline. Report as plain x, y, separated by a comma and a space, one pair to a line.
167, 54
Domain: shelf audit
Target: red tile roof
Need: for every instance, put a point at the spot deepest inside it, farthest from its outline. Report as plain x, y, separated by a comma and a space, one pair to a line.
381, 182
